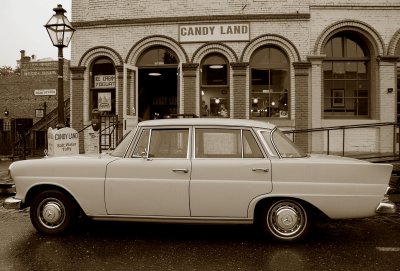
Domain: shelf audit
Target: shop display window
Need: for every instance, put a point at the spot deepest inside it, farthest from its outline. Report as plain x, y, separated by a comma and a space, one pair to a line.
102, 87
269, 71
214, 86
346, 77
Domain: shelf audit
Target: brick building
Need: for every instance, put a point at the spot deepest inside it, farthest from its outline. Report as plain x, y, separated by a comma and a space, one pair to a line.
22, 97
298, 64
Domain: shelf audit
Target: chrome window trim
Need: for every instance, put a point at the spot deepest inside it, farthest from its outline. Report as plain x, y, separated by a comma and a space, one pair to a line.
259, 144
188, 128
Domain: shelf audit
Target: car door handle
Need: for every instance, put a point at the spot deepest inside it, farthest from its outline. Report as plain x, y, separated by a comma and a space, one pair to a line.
185, 170
261, 169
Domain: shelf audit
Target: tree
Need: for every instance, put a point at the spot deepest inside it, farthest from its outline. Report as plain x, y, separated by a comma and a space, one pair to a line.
6, 71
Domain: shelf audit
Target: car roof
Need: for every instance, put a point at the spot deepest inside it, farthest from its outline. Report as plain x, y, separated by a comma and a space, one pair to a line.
207, 121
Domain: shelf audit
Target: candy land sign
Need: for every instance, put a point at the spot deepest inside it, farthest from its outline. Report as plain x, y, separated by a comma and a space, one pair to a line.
64, 141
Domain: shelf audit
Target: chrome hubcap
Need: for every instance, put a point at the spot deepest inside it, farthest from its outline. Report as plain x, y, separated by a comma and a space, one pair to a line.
286, 219
51, 213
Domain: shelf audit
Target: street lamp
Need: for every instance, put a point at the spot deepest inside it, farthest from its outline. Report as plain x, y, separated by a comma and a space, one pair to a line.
60, 31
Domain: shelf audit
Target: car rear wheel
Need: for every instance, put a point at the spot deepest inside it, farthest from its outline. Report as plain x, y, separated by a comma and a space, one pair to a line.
285, 220
52, 212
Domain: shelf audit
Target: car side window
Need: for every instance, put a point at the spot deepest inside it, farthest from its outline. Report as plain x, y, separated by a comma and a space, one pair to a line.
142, 145
164, 143
169, 143
226, 143
250, 146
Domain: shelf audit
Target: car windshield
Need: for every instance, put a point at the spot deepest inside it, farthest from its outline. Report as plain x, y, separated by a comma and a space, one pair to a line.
285, 147
120, 150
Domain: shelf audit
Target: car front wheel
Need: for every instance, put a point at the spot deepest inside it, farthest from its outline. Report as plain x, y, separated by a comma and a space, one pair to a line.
285, 220
52, 212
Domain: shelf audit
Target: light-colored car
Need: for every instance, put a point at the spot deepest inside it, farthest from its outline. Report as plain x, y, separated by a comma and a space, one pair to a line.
201, 171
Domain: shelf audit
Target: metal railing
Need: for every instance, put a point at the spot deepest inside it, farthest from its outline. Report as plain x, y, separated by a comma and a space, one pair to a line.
395, 153
25, 144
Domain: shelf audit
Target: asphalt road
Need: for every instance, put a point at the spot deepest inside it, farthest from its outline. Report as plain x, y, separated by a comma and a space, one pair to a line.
363, 244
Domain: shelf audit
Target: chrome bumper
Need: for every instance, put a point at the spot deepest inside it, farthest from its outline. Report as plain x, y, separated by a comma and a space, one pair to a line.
386, 207
12, 203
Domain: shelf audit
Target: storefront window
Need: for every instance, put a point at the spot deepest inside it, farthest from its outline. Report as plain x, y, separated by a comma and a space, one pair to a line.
346, 77
269, 67
214, 86
102, 90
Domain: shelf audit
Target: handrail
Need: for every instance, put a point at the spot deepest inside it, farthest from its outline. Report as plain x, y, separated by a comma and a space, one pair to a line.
344, 128
48, 118
351, 126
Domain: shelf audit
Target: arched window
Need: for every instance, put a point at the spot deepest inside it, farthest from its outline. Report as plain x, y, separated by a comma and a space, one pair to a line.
269, 68
214, 89
346, 77
157, 56
102, 86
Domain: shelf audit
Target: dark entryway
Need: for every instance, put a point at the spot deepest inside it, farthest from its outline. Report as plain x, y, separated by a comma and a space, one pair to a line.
158, 88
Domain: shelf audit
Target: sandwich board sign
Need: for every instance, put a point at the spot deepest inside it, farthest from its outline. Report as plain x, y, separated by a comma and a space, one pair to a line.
64, 141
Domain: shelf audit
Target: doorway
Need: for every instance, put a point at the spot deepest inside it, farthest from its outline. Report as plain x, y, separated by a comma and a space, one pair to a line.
158, 89
158, 83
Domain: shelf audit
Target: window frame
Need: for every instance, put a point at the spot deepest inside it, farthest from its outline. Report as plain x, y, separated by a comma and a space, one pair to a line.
241, 129
224, 89
270, 71
352, 103
149, 139
94, 92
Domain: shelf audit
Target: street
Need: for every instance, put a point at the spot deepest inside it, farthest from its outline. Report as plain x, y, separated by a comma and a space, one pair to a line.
362, 244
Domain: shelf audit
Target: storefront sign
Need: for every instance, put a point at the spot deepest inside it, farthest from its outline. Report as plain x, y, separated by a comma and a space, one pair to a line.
104, 101
64, 141
214, 32
104, 81
44, 92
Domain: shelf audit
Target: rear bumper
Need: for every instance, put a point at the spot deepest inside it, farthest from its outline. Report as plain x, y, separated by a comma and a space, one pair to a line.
386, 207
12, 203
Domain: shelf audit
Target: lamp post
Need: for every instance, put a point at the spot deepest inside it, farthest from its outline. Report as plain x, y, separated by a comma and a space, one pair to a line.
60, 31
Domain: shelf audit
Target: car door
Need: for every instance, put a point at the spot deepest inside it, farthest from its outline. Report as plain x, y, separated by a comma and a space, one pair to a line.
229, 170
154, 181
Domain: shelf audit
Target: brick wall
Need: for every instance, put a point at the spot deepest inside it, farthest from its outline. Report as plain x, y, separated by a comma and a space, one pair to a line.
17, 95
300, 28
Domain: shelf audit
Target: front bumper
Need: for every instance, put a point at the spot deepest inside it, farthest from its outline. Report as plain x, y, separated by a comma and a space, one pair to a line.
12, 203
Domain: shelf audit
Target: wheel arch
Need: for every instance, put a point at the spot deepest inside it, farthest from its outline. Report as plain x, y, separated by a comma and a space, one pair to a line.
257, 205
37, 189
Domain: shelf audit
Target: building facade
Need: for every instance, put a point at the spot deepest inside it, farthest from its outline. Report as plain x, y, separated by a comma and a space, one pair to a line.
298, 64
27, 97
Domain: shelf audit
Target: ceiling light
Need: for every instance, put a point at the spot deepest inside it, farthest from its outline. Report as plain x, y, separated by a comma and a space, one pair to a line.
154, 74
215, 67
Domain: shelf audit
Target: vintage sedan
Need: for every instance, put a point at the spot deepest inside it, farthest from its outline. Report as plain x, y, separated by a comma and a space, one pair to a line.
201, 171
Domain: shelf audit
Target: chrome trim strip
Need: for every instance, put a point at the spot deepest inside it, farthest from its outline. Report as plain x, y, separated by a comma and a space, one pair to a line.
164, 219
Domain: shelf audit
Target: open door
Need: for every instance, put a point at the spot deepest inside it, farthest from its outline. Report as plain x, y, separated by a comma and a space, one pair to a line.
130, 97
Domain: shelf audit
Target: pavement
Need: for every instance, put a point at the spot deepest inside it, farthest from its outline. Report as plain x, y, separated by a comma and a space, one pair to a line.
7, 185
